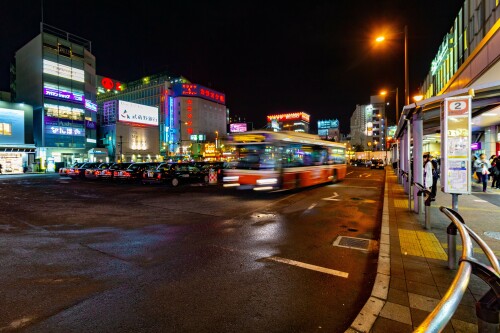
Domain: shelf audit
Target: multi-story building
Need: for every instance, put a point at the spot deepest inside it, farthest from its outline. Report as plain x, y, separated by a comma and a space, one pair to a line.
329, 129
191, 118
293, 121
55, 73
15, 132
368, 125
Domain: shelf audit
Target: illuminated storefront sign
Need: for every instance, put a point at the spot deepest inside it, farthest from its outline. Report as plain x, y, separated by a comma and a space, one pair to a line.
137, 113
60, 111
90, 124
189, 122
53, 68
237, 127
328, 123
289, 116
109, 84
64, 50
11, 126
475, 146
195, 90
91, 106
61, 130
62, 94
198, 137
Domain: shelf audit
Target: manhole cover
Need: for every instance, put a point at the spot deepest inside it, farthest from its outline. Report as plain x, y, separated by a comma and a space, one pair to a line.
353, 243
493, 234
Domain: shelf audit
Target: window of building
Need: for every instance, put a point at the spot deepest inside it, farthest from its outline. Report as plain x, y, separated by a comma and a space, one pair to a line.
6, 129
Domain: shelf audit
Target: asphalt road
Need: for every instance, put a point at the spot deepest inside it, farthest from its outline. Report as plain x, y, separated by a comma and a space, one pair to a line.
80, 256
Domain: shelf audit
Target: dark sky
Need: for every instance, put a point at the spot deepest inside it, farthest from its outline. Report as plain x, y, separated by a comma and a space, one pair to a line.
266, 56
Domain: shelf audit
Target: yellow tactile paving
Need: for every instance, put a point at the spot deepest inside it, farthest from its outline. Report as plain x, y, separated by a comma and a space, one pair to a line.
401, 203
421, 243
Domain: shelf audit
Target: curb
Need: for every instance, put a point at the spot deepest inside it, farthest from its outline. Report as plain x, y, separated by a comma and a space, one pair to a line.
369, 313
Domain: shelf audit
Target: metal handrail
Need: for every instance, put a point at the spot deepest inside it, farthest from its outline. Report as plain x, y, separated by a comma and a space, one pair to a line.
441, 315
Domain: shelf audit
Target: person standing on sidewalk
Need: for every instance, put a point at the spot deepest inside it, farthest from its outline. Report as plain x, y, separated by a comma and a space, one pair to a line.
495, 173
435, 177
481, 166
428, 173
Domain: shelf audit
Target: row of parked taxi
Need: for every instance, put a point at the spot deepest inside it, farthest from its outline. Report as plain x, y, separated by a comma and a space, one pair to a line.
170, 173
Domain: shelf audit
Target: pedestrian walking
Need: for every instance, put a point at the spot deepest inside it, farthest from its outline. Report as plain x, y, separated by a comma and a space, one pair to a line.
481, 166
0, 169
428, 173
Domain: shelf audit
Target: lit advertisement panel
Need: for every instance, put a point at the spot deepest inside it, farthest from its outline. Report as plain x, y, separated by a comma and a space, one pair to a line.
62, 130
53, 68
91, 106
289, 116
62, 94
11, 126
137, 113
195, 90
238, 127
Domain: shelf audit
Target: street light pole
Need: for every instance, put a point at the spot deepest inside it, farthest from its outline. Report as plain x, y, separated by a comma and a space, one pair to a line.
407, 79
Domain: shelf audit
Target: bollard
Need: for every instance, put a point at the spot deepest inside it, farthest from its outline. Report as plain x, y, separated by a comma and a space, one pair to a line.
428, 200
452, 246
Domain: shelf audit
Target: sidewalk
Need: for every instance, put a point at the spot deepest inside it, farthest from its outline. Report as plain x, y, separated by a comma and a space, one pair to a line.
413, 273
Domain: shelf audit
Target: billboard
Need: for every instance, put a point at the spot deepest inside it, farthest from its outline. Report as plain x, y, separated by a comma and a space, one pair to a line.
137, 113
195, 90
11, 126
238, 127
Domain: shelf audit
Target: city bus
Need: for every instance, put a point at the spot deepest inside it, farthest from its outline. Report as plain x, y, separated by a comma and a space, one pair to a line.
268, 161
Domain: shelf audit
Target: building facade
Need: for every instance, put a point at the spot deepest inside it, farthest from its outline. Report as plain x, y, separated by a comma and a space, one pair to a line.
368, 125
293, 121
55, 73
329, 129
15, 130
190, 116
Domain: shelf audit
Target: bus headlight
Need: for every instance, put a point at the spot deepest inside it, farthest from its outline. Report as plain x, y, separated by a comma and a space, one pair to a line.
267, 181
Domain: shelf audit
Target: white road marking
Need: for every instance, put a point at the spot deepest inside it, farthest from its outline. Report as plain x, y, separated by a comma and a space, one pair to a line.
349, 173
312, 206
333, 197
311, 267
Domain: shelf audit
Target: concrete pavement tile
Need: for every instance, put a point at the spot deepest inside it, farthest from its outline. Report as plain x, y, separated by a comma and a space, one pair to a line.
467, 300
463, 327
398, 296
398, 283
466, 313
418, 316
478, 286
398, 272
396, 312
423, 289
422, 302
415, 259
418, 276
384, 325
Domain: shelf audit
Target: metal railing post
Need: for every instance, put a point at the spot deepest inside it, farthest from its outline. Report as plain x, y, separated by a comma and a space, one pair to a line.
452, 246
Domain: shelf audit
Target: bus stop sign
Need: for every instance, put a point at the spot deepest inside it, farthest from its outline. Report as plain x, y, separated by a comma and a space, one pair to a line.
456, 145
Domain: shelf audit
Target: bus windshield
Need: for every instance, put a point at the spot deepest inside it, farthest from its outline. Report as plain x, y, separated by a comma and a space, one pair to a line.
255, 156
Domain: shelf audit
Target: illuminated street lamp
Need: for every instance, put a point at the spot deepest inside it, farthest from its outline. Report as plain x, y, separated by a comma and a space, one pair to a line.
418, 98
384, 93
381, 39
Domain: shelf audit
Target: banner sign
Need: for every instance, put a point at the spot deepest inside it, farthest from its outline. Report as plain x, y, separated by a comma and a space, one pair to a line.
456, 145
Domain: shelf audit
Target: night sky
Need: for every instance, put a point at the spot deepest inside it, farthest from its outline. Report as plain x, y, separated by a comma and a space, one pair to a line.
266, 56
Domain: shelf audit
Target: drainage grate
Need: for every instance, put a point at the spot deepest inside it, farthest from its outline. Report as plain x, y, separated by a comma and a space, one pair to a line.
353, 243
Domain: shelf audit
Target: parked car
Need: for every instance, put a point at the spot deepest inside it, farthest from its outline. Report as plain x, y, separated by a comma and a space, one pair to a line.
63, 172
218, 167
133, 172
377, 164
359, 162
173, 174
107, 173
79, 172
92, 172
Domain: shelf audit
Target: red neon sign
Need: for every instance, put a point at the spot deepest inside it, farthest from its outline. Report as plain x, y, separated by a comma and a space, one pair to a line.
289, 116
109, 84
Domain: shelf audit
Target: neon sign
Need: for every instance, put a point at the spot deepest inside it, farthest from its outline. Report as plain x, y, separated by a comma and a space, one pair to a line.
289, 116
195, 90
60, 130
109, 84
91, 106
62, 94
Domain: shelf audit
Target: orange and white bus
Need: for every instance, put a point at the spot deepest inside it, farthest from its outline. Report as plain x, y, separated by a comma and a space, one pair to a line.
269, 161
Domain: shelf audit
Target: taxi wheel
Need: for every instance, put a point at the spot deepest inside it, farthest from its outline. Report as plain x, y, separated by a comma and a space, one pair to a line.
205, 179
174, 182
334, 177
